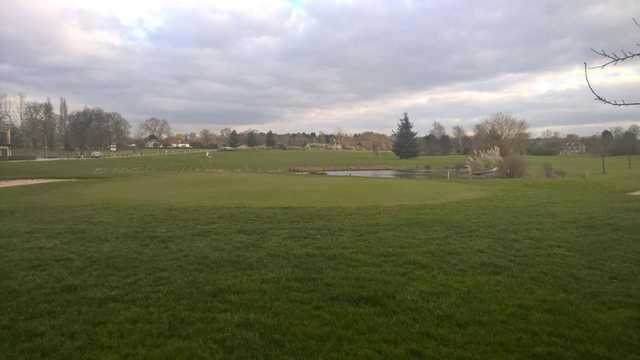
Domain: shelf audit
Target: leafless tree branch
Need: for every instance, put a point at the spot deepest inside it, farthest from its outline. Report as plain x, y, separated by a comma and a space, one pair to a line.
603, 99
613, 59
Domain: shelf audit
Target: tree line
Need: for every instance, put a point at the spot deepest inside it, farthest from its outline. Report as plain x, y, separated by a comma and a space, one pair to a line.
41, 126
501, 130
510, 135
37, 126
253, 138
623, 142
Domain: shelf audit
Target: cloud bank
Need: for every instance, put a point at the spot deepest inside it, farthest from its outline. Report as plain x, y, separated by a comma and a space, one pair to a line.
323, 65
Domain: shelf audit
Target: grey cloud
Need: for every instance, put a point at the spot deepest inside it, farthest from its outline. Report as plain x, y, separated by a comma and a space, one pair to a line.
203, 68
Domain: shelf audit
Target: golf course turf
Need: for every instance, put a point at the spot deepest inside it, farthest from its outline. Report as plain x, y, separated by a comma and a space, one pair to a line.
230, 256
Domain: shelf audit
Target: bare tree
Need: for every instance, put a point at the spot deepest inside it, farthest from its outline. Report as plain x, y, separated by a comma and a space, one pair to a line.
158, 127
611, 58
206, 138
437, 130
340, 136
33, 124
504, 131
48, 127
93, 128
458, 136
630, 142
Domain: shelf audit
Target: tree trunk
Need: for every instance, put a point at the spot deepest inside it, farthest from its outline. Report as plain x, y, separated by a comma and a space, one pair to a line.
604, 169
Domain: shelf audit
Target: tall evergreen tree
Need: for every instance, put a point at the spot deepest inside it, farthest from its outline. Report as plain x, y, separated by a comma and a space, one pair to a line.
270, 141
63, 134
233, 140
252, 139
405, 144
48, 127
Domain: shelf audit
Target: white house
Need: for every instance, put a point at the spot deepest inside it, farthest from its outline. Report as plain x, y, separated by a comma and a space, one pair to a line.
180, 145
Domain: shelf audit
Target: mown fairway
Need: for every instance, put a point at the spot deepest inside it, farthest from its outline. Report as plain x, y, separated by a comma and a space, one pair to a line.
231, 257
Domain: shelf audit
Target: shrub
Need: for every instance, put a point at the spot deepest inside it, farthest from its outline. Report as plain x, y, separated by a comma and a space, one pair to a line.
548, 170
484, 160
561, 173
513, 166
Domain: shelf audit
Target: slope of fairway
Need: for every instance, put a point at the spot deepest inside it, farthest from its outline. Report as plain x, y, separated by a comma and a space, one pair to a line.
188, 262
247, 160
277, 161
538, 270
243, 189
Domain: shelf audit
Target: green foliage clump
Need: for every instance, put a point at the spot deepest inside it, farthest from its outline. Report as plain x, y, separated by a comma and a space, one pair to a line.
252, 139
270, 141
233, 140
513, 166
548, 170
561, 173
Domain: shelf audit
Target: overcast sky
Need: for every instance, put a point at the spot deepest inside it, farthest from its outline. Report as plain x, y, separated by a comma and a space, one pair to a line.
324, 65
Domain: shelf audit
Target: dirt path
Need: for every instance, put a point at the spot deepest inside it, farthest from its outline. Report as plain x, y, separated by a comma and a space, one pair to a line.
24, 182
636, 193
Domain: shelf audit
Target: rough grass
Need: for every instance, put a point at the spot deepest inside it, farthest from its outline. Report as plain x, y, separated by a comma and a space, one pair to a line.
168, 265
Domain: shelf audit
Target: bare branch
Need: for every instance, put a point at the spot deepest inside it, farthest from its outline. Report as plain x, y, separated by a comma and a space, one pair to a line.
603, 99
614, 59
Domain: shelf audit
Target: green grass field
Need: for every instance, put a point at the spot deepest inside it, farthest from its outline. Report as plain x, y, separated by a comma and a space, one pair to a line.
184, 256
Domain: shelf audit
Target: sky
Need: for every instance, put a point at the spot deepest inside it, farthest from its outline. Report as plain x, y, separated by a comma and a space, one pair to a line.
325, 65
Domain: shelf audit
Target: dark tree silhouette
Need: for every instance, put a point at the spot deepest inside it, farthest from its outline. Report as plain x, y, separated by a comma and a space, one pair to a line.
252, 139
630, 141
233, 140
270, 141
607, 139
405, 145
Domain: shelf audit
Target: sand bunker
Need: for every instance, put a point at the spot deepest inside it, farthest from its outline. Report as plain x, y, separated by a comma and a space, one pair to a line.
636, 193
23, 182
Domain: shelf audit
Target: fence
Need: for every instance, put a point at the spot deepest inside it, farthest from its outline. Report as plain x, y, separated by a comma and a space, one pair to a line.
31, 154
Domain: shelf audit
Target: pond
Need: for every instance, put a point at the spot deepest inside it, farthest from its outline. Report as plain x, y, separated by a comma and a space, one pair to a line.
381, 173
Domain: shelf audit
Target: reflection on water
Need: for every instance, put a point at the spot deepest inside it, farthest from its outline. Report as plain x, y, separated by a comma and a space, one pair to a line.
381, 173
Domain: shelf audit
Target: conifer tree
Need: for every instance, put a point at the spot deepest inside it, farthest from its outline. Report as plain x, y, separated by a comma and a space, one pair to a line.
233, 140
271, 139
405, 145
252, 139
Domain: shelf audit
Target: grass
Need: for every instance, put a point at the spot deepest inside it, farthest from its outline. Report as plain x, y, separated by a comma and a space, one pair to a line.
233, 189
233, 262
244, 161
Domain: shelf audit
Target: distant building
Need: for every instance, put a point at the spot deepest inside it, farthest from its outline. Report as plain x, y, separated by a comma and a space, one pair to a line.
573, 148
180, 145
12, 107
5, 142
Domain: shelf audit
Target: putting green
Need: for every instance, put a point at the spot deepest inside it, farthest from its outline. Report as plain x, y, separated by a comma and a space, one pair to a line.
245, 189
